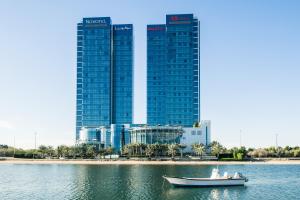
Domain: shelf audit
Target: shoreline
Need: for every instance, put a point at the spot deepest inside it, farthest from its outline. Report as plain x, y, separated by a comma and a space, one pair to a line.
146, 162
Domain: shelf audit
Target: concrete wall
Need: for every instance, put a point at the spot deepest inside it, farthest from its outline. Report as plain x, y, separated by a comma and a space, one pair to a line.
196, 135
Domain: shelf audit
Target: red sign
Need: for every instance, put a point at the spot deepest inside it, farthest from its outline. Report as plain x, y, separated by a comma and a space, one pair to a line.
155, 28
179, 18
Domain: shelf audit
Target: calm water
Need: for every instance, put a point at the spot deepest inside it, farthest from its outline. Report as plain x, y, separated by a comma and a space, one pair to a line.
141, 182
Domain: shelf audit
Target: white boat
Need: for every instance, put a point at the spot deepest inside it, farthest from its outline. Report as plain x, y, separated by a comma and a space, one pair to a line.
214, 180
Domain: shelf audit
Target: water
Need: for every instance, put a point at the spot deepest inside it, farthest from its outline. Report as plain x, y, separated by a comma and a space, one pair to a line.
118, 182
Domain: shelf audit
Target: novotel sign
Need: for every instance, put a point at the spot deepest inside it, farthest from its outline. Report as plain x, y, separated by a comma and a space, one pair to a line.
96, 21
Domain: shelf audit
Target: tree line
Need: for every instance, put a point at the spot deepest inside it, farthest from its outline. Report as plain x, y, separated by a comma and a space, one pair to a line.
85, 151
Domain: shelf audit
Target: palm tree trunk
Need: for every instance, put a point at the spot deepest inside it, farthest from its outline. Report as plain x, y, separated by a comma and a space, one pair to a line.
181, 153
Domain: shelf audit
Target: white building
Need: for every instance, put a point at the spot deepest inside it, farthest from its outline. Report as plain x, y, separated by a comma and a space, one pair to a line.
196, 135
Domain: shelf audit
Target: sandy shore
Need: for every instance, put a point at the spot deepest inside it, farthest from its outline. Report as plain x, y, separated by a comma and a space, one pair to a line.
134, 162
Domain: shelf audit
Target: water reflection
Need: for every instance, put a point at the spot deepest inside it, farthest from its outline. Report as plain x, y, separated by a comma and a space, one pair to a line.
203, 193
121, 182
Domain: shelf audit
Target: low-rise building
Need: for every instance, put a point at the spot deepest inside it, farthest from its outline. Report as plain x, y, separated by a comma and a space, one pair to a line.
89, 135
117, 136
156, 134
199, 134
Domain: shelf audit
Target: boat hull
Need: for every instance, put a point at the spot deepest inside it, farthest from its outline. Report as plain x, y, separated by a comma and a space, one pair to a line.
204, 182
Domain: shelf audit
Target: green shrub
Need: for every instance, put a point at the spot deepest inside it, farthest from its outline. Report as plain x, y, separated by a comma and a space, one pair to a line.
297, 153
239, 156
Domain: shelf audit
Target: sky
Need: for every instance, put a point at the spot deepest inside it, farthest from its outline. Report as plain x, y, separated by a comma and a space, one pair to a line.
250, 66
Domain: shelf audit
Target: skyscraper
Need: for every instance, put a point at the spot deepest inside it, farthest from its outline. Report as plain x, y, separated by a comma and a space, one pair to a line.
104, 69
122, 74
173, 71
156, 74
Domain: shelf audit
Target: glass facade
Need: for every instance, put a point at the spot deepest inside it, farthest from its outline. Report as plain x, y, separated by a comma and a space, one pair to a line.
105, 137
156, 135
90, 135
120, 135
156, 74
100, 70
122, 74
173, 71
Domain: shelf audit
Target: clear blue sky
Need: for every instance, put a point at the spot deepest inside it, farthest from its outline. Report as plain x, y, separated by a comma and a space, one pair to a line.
250, 66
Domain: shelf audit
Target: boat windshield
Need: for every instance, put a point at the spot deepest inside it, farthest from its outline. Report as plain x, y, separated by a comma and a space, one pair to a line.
215, 174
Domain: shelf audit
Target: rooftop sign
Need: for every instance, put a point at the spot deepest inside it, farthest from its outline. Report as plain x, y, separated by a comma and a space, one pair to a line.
180, 19
95, 22
122, 27
156, 28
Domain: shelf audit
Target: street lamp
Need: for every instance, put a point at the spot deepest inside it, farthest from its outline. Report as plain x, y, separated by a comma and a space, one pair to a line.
34, 144
240, 138
276, 139
14, 146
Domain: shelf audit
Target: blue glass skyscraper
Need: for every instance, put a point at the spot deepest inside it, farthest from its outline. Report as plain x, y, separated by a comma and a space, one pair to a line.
104, 66
173, 86
156, 74
122, 74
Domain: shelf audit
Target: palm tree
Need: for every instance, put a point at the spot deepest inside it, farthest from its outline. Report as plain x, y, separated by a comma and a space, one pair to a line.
43, 150
194, 147
156, 148
126, 150
216, 148
172, 150
149, 150
109, 151
279, 151
62, 151
50, 151
101, 152
163, 148
131, 147
72, 151
143, 148
296, 152
140, 148
134, 148
91, 151
199, 149
83, 150
271, 151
